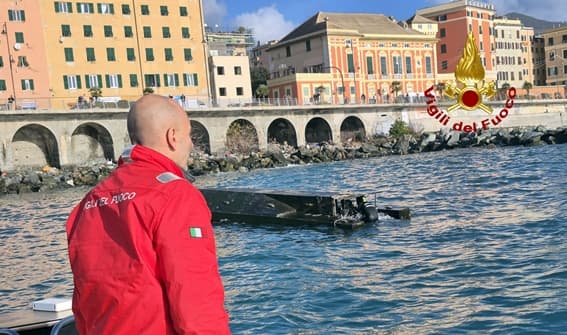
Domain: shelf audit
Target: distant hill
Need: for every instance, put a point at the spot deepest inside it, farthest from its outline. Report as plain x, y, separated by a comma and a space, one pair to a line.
538, 24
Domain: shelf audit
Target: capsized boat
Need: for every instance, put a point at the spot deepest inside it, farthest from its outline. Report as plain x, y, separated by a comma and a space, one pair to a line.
344, 210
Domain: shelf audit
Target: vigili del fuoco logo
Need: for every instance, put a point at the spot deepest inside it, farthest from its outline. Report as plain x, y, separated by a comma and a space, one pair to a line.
470, 93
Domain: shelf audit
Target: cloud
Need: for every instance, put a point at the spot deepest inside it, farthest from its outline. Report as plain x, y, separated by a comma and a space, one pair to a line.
214, 12
267, 23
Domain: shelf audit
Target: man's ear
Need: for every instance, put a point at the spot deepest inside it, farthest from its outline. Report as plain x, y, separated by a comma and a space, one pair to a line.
171, 139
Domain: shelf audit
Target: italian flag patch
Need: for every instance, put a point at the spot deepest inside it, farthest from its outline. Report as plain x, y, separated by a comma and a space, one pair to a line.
195, 232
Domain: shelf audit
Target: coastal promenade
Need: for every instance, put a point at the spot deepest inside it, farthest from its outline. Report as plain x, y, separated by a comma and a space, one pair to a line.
70, 137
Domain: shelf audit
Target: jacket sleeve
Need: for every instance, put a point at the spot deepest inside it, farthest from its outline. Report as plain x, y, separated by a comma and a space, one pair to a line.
187, 263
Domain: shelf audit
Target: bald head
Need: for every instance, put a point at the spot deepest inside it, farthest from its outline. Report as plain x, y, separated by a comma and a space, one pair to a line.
161, 124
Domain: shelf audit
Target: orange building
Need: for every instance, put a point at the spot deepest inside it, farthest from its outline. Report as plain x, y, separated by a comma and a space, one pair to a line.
456, 19
120, 47
338, 57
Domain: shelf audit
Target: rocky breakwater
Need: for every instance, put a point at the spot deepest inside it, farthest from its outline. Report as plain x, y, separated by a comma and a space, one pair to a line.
33, 180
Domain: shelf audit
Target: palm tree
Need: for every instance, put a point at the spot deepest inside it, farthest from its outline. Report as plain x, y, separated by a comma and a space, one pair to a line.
527, 86
396, 88
503, 89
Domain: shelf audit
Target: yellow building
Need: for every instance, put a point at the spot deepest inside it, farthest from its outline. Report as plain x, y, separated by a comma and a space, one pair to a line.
121, 47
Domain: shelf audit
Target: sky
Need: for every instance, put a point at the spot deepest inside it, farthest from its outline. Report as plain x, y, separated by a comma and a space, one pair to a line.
273, 19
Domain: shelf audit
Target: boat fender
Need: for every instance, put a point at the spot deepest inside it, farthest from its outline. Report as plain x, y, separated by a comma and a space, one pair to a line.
370, 212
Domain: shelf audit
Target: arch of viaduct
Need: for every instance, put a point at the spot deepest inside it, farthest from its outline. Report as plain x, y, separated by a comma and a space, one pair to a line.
59, 138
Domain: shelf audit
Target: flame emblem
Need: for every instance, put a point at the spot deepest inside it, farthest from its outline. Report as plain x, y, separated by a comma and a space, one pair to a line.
470, 73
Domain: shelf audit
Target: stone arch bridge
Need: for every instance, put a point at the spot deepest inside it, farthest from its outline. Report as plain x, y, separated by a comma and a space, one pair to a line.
60, 138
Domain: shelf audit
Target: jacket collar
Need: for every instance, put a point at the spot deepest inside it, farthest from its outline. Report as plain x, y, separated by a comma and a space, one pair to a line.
140, 153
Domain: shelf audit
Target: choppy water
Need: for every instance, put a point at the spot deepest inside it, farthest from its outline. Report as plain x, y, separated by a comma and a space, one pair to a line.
485, 251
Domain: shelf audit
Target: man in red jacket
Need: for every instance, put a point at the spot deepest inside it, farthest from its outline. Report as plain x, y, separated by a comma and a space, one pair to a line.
141, 243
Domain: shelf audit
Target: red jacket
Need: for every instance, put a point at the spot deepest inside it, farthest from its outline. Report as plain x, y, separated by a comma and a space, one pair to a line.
142, 251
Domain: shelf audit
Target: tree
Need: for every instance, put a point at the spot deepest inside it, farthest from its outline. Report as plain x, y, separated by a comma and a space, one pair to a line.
259, 76
527, 86
148, 90
242, 29
503, 89
396, 87
95, 92
261, 91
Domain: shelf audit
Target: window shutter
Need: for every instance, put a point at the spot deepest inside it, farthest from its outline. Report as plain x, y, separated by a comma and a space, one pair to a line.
23, 84
79, 82
165, 83
176, 79
87, 81
99, 79
66, 82
23, 14
99, 7
69, 7
111, 7
107, 79
185, 79
158, 84
196, 79
91, 8
31, 84
11, 15
350, 59
120, 81
56, 6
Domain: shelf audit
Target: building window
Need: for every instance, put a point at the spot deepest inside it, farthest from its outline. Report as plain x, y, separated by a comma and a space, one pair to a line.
113, 81
23, 61
480, 29
65, 30
444, 65
550, 41
222, 91
443, 48
220, 70
383, 66
168, 54
108, 31
239, 91
369, 65
69, 55
130, 54
90, 55
128, 31
470, 27
428, 68
185, 32
87, 31
350, 63
93, 80
85, 8
110, 55
163, 10
308, 45
63, 7
16, 15
2, 85
27, 84
72, 82
165, 32
183, 11
441, 18
238, 70
126, 10
397, 64
152, 80
145, 10
187, 54
1, 62
133, 80
288, 51
190, 79
19, 37
481, 47
442, 32
147, 32
408, 64
105, 8
149, 54
171, 79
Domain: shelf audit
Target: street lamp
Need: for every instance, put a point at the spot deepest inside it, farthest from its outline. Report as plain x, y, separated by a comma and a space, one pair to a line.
342, 78
10, 60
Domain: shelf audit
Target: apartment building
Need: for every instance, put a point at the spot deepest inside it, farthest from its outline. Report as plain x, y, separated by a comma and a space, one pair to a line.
120, 47
337, 57
514, 64
538, 57
258, 55
230, 43
456, 19
555, 47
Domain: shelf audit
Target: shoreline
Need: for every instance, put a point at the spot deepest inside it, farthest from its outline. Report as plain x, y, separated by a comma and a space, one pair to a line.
47, 178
